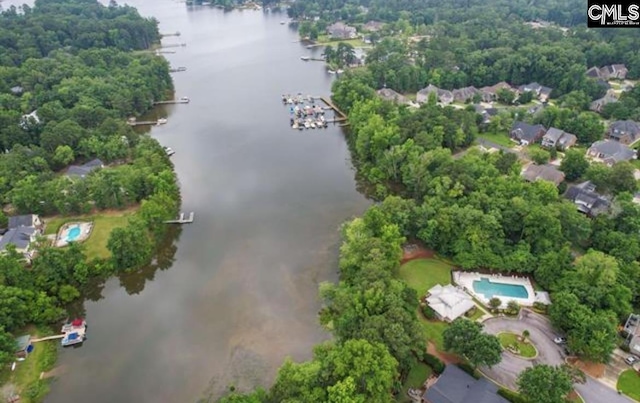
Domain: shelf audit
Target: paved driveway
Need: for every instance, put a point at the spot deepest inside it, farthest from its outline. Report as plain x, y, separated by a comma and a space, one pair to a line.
542, 335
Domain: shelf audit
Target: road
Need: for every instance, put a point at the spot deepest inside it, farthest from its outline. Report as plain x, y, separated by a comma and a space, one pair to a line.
541, 335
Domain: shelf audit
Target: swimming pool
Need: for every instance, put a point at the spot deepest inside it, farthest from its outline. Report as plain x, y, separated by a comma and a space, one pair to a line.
73, 234
490, 289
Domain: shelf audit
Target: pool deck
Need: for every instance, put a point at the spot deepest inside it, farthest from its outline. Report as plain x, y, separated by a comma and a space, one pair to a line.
465, 280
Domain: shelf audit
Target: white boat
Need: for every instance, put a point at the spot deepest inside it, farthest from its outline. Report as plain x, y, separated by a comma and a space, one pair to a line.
331, 72
185, 99
313, 125
305, 58
306, 125
282, 22
169, 151
161, 121
339, 71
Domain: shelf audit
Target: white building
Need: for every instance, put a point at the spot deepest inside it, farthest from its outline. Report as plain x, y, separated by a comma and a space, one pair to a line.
449, 302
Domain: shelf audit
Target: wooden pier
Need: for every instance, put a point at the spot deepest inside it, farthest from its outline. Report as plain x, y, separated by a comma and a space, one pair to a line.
174, 45
183, 100
132, 122
177, 33
182, 219
342, 117
57, 336
178, 70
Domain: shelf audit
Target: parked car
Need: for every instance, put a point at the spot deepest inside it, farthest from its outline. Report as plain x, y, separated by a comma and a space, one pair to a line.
632, 359
560, 340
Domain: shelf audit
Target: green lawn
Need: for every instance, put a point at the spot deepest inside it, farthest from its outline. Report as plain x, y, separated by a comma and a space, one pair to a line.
477, 314
103, 224
422, 274
629, 383
527, 350
325, 40
26, 377
501, 139
415, 379
433, 330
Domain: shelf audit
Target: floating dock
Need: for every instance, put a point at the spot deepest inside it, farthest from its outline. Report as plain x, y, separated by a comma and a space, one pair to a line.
341, 115
177, 33
183, 100
174, 45
183, 219
178, 70
134, 122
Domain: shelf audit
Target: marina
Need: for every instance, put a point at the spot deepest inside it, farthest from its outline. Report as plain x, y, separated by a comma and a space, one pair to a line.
307, 114
182, 219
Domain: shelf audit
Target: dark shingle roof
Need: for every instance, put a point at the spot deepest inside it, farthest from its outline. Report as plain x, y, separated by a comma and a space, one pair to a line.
22, 221
456, 386
525, 131
85, 169
20, 237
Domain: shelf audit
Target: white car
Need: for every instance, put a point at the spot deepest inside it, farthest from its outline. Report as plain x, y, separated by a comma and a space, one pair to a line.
631, 359
560, 340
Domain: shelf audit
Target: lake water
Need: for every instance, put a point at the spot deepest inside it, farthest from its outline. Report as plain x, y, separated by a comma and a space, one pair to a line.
237, 293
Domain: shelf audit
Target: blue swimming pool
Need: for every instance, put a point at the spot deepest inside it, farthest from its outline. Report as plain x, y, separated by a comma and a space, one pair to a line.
492, 289
74, 233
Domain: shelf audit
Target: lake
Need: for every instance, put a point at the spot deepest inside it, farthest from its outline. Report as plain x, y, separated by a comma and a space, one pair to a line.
240, 293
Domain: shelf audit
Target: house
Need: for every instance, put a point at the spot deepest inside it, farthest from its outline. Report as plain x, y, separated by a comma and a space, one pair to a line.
598, 104
587, 200
373, 26
23, 346
340, 30
624, 131
489, 94
28, 220
21, 238
30, 119
526, 134
456, 386
444, 96
541, 92
613, 71
486, 113
545, 172
610, 152
449, 302
556, 138
390, 95
82, 171
464, 94
17, 90
632, 330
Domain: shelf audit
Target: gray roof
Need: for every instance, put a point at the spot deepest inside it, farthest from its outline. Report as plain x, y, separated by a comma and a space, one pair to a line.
456, 386
587, 199
17, 90
545, 172
613, 150
553, 134
391, 95
85, 169
22, 342
20, 237
621, 128
525, 131
22, 221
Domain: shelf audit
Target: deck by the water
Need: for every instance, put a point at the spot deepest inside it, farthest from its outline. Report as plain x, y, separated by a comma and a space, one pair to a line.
177, 33
341, 115
57, 336
173, 101
182, 219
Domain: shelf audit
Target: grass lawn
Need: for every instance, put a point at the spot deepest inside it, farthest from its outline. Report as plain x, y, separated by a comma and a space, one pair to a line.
422, 274
433, 330
103, 224
325, 40
477, 314
415, 379
629, 383
26, 377
527, 350
501, 139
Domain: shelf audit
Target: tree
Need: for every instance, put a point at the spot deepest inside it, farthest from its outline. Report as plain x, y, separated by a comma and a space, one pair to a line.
574, 164
623, 178
525, 335
525, 97
513, 307
63, 156
545, 383
539, 156
130, 246
7, 347
495, 302
505, 96
466, 338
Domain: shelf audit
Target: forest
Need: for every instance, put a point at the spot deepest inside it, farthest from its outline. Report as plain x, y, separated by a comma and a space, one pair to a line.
83, 69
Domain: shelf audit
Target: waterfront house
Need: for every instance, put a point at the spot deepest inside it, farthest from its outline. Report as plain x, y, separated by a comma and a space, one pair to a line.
27, 220
610, 152
526, 134
587, 200
624, 131
449, 302
81, 171
456, 386
556, 138
22, 232
390, 95
340, 30
547, 172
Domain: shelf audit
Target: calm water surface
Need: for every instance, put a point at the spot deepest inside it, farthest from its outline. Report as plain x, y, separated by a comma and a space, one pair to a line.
241, 291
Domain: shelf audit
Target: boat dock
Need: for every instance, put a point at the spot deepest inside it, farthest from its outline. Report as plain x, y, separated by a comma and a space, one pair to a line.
182, 219
134, 122
341, 115
183, 100
57, 336
177, 33
174, 45
178, 70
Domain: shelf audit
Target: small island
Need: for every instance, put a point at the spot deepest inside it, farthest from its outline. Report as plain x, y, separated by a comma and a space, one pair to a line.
518, 345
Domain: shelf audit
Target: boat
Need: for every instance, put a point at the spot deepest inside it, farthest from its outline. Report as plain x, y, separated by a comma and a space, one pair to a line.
72, 338
313, 125
75, 332
282, 22
185, 99
169, 151
331, 72
306, 124
161, 121
339, 71
305, 58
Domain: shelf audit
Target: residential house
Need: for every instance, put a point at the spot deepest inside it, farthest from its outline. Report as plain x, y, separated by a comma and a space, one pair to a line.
449, 302
81, 171
22, 232
23, 346
340, 30
390, 95
541, 92
598, 104
587, 200
17, 90
373, 26
625, 131
556, 138
610, 152
526, 134
456, 386
464, 94
29, 119
27, 220
613, 71
486, 113
489, 94
632, 330
445, 97
545, 172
